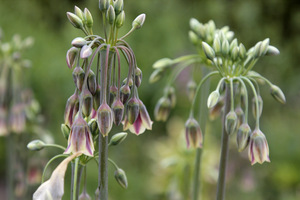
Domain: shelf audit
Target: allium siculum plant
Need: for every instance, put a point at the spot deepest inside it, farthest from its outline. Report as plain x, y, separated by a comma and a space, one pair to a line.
233, 64
101, 99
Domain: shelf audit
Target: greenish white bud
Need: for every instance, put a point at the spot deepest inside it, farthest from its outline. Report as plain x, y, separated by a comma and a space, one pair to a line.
86, 51
217, 45
119, 4
103, 5
118, 138
271, 50
79, 13
193, 37
209, 52
120, 19
264, 47
88, 18
256, 50
213, 99
79, 42
225, 47
235, 53
139, 21
156, 75
121, 178
277, 93
75, 20
111, 15
194, 24
211, 27
36, 145
242, 51
71, 56
163, 63
229, 35
233, 44
231, 122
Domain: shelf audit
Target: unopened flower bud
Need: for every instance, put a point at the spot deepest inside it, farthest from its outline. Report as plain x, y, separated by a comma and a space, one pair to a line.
86, 51
104, 119
65, 130
71, 56
75, 20
120, 19
264, 47
156, 75
231, 122
124, 93
277, 93
118, 138
243, 136
191, 89
235, 53
193, 37
162, 109
36, 145
163, 63
91, 82
193, 133
138, 77
119, 4
79, 42
256, 50
215, 111
88, 18
103, 5
139, 21
110, 15
71, 109
78, 12
233, 44
213, 99
242, 51
93, 127
240, 115
271, 50
209, 52
260, 106
78, 77
84, 196
130, 82
132, 110
225, 47
121, 178
87, 102
113, 90
170, 91
258, 148
217, 45
118, 111
96, 98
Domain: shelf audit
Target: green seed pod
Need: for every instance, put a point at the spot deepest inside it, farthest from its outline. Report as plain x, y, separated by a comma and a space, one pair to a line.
277, 93
138, 77
87, 102
124, 93
193, 37
213, 99
119, 4
156, 75
65, 130
132, 109
225, 47
260, 106
271, 50
88, 18
138, 21
231, 122
71, 56
75, 20
78, 77
162, 109
36, 145
191, 89
94, 127
103, 5
110, 15
79, 42
120, 19
209, 52
243, 136
163, 63
118, 111
121, 178
79, 13
117, 138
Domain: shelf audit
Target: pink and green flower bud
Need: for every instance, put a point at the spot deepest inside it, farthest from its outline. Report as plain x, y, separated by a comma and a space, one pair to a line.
87, 102
162, 109
213, 99
88, 18
121, 178
209, 52
91, 82
79, 42
258, 148
130, 82
80, 139
65, 130
163, 63
170, 91
215, 111
103, 5
117, 138
120, 19
71, 109
94, 127
191, 89
96, 98
36, 145
86, 51
139, 21
240, 115
118, 111
105, 119
84, 196
231, 122
277, 93
132, 109
75, 20
156, 75
243, 136
71, 56
138, 77
260, 106
110, 15
124, 93
113, 90
78, 77
119, 4
271, 50
193, 133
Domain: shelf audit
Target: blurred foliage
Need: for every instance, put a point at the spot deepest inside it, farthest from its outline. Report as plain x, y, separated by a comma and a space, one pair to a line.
164, 34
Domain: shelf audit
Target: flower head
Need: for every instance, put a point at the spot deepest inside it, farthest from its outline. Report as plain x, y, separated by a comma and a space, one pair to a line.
258, 148
80, 138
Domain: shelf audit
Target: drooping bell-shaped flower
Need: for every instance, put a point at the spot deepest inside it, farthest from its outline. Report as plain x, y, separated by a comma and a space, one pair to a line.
142, 122
105, 118
71, 109
80, 138
193, 133
162, 109
258, 148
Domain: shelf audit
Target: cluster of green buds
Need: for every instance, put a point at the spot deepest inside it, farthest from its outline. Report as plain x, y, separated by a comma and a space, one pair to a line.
101, 98
16, 102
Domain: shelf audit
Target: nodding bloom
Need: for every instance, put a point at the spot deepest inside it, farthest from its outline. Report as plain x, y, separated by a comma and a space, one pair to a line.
142, 122
80, 138
258, 148
193, 133
72, 108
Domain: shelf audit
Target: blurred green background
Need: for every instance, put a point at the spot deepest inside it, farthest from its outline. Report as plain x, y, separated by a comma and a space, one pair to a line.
164, 34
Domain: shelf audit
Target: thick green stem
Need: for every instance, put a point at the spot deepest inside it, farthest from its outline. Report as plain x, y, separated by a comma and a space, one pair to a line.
202, 119
76, 178
224, 147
